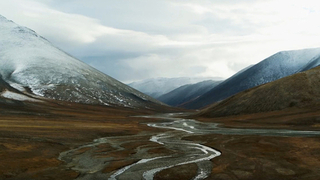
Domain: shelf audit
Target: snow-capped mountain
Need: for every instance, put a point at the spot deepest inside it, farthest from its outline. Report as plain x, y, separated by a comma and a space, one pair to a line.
156, 87
299, 90
277, 66
186, 93
31, 64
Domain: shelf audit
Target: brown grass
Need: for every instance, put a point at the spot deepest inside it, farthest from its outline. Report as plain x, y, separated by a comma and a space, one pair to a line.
187, 171
264, 158
299, 90
33, 134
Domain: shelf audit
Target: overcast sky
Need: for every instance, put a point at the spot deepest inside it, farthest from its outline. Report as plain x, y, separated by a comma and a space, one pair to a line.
139, 39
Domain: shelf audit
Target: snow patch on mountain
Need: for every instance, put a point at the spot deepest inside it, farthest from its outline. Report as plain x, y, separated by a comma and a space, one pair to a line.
277, 66
283, 64
18, 97
29, 61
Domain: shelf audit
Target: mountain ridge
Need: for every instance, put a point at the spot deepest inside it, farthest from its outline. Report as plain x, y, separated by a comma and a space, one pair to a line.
156, 87
29, 61
186, 93
296, 91
277, 66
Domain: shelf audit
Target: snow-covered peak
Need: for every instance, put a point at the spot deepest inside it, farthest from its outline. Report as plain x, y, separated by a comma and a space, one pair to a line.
277, 66
30, 61
22, 48
2, 18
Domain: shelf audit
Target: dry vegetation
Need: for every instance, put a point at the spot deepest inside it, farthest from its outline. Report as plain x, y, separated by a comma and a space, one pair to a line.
299, 90
263, 158
32, 136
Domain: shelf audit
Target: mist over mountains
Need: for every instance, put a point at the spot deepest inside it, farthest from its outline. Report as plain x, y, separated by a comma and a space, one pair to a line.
184, 94
156, 87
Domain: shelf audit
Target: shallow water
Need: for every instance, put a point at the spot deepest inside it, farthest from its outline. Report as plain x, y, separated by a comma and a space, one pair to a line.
185, 152
193, 126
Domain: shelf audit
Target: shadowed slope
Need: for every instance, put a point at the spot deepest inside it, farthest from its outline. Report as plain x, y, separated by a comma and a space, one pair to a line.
186, 93
299, 90
277, 66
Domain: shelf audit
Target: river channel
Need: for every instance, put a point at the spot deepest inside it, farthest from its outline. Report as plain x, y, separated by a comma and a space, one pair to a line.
185, 152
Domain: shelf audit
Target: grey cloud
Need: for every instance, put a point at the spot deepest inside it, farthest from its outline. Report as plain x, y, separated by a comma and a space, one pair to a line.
113, 67
138, 39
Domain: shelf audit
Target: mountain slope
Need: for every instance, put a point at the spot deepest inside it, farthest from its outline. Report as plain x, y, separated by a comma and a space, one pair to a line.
31, 64
156, 87
299, 90
187, 93
279, 65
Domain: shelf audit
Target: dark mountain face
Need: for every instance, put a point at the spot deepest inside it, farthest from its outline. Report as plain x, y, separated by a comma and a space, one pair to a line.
3, 84
300, 90
156, 87
5, 87
31, 64
311, 64
275, 67
187, 93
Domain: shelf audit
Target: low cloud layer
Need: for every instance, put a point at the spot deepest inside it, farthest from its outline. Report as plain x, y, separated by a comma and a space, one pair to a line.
139, 39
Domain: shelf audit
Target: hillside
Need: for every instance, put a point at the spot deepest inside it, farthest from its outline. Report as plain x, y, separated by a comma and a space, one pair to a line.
32, 65
300, 90
186, 93
156, 87
277, 66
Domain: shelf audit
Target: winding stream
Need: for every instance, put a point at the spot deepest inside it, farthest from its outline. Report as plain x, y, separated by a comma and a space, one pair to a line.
185, 152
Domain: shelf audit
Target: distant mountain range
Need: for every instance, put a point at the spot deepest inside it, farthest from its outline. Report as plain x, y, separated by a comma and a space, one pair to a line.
30, 66
184, 94
157, 87
300, 90
32, 69
277, 66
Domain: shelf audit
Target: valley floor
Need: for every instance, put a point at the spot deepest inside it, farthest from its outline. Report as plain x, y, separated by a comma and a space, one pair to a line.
32, 136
